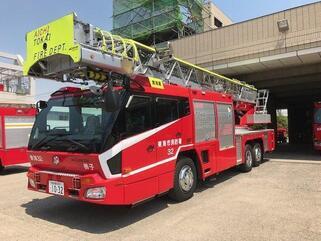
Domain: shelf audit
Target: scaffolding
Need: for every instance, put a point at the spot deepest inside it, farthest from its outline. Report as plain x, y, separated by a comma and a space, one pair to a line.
11, 77
155, 21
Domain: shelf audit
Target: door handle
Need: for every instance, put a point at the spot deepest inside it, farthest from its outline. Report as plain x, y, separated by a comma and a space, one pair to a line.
150, 148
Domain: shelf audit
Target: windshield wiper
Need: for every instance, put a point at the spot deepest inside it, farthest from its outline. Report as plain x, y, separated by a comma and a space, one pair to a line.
44, 140
78, 144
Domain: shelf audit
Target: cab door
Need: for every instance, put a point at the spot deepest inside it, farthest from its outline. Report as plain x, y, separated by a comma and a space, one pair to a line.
169, 137
138, 135
139, 150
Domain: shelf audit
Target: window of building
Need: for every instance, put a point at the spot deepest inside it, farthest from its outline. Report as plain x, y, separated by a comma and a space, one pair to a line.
218, 23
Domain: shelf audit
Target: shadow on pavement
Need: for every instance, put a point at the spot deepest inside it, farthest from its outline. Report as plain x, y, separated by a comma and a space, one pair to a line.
13, 170
103, 219
222, 177
295, 152
89, 217
215, 180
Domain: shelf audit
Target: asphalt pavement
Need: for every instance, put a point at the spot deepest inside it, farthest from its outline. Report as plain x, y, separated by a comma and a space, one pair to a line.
280, 200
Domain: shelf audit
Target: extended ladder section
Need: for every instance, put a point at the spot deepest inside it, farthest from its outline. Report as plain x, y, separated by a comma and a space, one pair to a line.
68, 50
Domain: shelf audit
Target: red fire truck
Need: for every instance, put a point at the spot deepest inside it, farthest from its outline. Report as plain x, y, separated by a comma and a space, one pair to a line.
15, 125
153, 124
16, 116
317, 126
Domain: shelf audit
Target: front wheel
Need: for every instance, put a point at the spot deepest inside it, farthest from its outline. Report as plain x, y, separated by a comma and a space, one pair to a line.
185, 180
248, 163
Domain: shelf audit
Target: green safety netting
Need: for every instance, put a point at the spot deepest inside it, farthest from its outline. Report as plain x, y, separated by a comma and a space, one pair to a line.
139, 19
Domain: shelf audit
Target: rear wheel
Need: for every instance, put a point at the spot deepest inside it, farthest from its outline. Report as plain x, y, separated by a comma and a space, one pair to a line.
248, 163
185, 180
257, 155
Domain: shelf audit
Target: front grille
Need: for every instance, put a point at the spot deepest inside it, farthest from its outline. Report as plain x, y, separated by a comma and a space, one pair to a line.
76, 183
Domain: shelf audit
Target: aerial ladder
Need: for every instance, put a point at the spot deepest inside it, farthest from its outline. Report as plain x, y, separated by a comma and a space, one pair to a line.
83, 51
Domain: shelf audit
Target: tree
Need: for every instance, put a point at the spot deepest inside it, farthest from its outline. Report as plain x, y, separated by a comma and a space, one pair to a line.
282, 121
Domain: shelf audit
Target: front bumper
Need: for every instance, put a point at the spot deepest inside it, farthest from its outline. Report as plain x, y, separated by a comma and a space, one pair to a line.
76, 186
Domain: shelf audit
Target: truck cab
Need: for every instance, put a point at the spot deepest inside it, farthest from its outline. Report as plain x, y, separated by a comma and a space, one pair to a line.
82, 147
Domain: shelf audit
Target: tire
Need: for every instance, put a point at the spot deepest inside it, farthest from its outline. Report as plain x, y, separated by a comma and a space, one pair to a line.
185, 180
248, 163
257, 154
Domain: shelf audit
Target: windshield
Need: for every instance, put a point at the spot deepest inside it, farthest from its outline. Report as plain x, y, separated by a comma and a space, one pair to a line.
73, 124
317, 116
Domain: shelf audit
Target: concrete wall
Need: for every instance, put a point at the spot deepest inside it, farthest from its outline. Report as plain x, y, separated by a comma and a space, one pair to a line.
212, 12
254, 38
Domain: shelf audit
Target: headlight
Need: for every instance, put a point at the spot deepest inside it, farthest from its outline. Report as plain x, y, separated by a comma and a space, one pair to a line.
96, 193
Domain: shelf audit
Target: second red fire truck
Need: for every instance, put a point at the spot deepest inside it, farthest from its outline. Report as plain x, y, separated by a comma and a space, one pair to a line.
155, 124
16, 121
17, 113
317, 126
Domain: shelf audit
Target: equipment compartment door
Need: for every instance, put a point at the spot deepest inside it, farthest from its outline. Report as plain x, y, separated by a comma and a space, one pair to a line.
226, 154
205, 135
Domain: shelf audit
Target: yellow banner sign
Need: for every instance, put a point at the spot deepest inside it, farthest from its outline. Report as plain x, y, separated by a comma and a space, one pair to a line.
156, 83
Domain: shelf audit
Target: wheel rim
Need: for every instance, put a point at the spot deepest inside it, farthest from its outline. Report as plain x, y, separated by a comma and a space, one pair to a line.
258, 154
186, 178
248, 159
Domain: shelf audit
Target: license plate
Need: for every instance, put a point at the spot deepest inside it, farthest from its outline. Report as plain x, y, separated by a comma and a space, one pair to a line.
56, 188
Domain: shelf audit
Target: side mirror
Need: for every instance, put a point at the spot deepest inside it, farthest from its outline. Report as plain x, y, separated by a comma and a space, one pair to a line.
111, 100
41, 104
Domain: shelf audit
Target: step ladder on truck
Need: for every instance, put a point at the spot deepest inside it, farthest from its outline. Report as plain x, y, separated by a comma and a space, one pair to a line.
16, 115
152, 124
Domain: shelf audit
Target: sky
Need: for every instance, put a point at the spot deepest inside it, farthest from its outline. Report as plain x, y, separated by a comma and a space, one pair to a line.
20, 16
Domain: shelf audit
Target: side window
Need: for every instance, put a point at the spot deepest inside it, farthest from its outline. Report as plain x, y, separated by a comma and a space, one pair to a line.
137, 116
225, 125
184, 108
166, 111
317, 116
